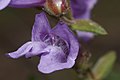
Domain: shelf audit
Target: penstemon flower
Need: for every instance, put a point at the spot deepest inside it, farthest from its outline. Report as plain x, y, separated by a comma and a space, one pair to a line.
57, 47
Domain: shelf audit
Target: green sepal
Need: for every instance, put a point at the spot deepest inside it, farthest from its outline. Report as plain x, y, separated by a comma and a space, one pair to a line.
104, 65
88, 26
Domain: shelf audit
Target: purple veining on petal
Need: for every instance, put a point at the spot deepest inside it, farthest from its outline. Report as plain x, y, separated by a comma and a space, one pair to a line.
64, 32
4, 3
57, 58
54, 40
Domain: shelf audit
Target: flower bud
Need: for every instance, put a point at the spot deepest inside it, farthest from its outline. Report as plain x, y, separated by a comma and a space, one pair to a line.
56, 7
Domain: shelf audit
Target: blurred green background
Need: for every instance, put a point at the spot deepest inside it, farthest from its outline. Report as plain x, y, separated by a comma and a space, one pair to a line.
15, 30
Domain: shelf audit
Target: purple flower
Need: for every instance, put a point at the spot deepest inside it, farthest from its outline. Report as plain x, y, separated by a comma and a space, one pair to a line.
26, 3
57, 47
80, 8
21, 3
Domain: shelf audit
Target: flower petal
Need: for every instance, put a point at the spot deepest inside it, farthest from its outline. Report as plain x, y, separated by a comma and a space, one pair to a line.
85, 36
21, 51
82, 8
28, 49
37, 49
26, 3
55, 60
41, 27
64, 32
4, 3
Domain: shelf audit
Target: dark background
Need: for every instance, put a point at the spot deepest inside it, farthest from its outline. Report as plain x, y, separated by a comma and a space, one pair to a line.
15, 30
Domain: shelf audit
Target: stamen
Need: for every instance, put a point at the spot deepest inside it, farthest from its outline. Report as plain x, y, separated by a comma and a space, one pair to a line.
55, 40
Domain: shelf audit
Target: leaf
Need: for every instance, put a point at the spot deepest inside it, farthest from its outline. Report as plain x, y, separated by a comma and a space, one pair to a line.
104, 65
32, 77
115, 75
88, 26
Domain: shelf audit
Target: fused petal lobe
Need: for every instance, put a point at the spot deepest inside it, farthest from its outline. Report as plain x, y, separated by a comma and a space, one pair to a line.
55, 60
37, 49
21, 51
41, 27
28, 49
